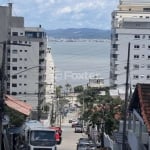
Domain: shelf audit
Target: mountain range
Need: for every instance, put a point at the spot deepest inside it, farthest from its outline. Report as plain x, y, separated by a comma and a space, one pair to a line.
78, 33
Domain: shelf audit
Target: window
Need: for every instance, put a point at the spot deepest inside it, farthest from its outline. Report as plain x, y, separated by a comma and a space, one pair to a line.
14, 33
25, 84
20, 67
148, 57
142, 66
14, 51
148, 66
14, 93
8, 59
20, 50
20, 59
136, 56
20, 84
25, 67
8, 67
148, 77
21, 33
14, 68
14, 60
20, 76
20, 92
25, 76
146, 9
114, 46
136, 46
142, 76
14, 42
136, 66
14, 85
25, 50
8, 84
143, 37
135, 76
25, 59
14, 77
148, 46
137, 36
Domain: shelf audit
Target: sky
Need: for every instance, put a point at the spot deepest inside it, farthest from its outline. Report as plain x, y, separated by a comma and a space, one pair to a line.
54, 14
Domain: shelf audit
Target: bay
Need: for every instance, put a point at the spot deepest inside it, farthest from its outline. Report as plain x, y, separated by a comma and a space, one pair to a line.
76, 62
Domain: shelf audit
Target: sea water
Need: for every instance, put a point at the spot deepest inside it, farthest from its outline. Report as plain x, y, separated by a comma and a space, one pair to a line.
76, 62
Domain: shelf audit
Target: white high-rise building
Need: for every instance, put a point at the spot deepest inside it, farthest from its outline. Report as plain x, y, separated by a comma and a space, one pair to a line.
25, 58
130, 24
50, 79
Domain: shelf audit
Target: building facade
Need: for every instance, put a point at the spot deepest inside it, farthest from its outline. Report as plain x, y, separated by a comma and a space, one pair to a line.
130, 24
25, 54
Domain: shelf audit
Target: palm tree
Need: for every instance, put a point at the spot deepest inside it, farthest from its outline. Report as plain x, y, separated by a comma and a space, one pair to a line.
68, 88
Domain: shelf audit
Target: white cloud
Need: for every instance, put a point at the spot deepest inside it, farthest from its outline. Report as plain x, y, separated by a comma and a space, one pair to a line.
66, 13
65, 10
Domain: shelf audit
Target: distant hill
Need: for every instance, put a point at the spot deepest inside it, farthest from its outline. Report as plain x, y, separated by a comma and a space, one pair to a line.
81, 33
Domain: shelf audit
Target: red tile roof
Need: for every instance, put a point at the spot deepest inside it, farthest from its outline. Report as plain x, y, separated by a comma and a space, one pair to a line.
18, 105
141, 102
144, 99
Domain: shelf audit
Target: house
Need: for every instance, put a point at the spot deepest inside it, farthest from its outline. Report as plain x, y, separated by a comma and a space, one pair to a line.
139, 120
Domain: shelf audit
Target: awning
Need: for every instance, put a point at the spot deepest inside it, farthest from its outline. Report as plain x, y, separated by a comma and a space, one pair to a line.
18, 105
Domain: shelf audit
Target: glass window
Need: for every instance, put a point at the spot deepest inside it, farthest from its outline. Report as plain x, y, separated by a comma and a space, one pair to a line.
148, 77
136, 46
137, 36
14, 33
136, 56
14, 68
135, 76
14, 77
14, 51
14, 85
136, 66
14, 60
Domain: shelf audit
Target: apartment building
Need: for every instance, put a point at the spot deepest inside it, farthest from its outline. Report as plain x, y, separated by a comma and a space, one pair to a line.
130, 24
50, 79
25, 63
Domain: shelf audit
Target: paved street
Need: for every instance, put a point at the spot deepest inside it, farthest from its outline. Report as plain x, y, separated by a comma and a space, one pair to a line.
69, 138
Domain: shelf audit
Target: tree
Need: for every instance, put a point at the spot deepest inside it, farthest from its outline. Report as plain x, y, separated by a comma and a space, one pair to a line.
58, 91
16, 118
78, 89
68, 87
100, 107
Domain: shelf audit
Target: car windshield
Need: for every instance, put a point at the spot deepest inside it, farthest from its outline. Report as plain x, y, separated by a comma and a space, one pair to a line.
42, 135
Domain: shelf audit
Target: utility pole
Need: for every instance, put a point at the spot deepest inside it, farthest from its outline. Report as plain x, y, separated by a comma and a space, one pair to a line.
126, 100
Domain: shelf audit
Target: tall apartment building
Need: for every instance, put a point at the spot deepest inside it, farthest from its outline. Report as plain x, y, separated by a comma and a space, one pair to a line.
130, 24
25, 63
50, 79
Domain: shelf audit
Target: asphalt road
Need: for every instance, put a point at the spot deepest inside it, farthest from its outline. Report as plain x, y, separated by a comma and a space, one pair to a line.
69, 138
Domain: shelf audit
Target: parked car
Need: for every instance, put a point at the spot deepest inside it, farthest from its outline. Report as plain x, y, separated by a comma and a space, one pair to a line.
78, 128
85, 144
74, 123
82, 146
